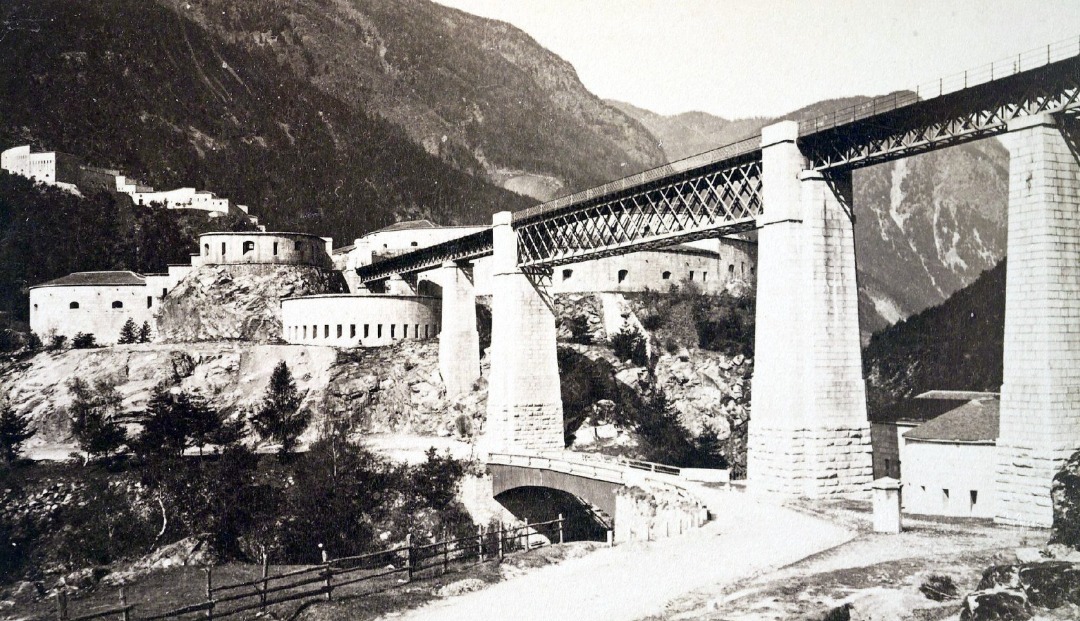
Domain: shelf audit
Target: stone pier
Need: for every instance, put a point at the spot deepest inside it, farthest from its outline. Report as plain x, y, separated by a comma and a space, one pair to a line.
809, 434
524, 400
459, 341
1040, 393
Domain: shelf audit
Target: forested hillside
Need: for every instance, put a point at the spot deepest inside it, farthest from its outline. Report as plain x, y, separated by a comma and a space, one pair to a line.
954, 346
140, 87
46, 233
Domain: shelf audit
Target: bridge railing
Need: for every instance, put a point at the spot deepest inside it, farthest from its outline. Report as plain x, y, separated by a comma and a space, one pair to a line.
1025, 61
593, 470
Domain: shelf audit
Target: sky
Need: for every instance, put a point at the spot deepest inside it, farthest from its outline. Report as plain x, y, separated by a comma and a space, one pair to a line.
769, 57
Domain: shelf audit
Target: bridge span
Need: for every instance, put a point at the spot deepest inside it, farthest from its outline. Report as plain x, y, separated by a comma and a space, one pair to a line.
809, 433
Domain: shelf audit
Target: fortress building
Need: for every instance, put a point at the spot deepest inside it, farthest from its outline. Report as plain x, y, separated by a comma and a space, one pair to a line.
97, 303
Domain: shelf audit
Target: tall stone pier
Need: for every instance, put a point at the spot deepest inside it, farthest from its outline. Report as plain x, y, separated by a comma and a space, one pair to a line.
524, 409
809, 434
1040, 393
459, 341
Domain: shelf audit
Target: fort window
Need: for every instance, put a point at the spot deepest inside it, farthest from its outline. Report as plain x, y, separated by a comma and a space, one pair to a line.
405, 331
691, 275
149, 301
352, 331
426, 328
117, 304
945, 498
704, 276
339, 330
326, 331
275, 249
623, 274
414, 244
378, 331
393, 330
206, 249
73, 305
742, 267
222, 248
566, 274
666, 275
367, 330
305, 332
298, 246
974, 497
416, 331
164, 291
731, 269
249, 247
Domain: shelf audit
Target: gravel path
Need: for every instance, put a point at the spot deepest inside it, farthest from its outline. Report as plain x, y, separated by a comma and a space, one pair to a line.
637, 579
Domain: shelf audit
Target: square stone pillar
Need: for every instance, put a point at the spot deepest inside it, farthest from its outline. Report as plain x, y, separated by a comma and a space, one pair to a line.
459, 341
809, 434
1040, 393
887, 506
524, 409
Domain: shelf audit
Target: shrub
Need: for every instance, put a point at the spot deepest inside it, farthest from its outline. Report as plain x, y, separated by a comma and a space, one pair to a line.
92, 411
578, 325
84, 340
99, 527
33, 342
652, 320
629, 344
939, 588
14, 430
56, 342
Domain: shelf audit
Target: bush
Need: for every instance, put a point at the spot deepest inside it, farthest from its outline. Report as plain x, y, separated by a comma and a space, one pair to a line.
56, 342
14, 430
652, 320
84, 340
578, 325
629, 344
92, 412
33, 342
939, 588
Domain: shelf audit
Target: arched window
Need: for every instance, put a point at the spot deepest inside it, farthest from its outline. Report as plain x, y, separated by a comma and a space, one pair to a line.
206, 249
666, 275
414, 244
731, 269
623, 274
249, 247
566, 274
73, 305
117, 304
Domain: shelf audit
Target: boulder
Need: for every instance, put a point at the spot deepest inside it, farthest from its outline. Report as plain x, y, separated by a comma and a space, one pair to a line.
1065, 495
23, 592
468, 585
995, 605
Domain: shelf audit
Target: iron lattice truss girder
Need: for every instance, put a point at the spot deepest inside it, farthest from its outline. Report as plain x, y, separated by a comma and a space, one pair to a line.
466, 248
971, 114
705, 203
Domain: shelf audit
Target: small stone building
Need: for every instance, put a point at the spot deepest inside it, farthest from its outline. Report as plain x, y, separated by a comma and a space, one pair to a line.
97, 303
948, 462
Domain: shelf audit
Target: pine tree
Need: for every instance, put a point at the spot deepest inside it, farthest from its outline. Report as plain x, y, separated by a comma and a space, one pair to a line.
144, 332
14, 430
280, 418
128, 333
92, 411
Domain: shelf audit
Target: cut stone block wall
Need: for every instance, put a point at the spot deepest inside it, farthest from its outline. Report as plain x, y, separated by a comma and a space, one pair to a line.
809, 433
459, 342
1040, 393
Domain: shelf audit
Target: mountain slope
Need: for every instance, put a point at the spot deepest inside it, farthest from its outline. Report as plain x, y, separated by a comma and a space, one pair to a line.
925, 226
954, 346
477, 93
137, 86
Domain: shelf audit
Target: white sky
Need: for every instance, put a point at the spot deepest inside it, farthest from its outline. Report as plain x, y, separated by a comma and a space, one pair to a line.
768, 57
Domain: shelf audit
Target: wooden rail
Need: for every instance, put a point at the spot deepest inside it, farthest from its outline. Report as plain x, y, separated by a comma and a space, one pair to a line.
225, 600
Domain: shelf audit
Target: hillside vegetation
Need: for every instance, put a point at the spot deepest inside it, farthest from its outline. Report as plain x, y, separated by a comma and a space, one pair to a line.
954, 346
46, 233
140, 87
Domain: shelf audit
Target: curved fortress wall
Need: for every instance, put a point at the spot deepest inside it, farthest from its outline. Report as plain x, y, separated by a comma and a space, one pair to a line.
364, 320
263, 248
97, 303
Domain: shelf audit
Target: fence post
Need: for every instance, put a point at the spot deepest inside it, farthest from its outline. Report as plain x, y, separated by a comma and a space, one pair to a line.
560, 528
265, 579
326, 568
526, 534
611, 538
209, 593
480, 541
445, 554
501, 534
125, 615
61, 602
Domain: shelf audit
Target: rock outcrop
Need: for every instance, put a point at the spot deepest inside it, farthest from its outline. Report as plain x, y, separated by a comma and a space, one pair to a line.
1065, 495
1022, 590
237, 302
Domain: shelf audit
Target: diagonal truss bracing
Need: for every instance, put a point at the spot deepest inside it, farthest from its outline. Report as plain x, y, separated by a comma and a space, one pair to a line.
465, 248
703, 203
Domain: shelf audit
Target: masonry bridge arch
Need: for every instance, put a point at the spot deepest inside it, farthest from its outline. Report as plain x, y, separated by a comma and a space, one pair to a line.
809, 433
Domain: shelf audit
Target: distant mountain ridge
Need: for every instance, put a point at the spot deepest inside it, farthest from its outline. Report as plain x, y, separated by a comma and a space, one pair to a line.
926, 226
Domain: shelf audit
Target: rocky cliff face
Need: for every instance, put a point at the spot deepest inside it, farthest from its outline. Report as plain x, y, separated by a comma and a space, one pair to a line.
237, 302
476, 93
926, 226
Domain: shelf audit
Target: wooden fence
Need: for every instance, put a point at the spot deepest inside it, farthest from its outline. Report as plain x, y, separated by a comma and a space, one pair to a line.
320, 581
